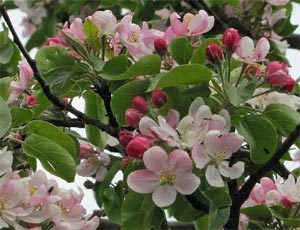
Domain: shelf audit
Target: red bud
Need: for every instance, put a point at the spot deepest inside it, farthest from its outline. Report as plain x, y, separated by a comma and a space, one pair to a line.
158, 97
160, 45
31, 101
125, 137
140, 104
138, 146
289, 84
132, 116
231, 39
214, 53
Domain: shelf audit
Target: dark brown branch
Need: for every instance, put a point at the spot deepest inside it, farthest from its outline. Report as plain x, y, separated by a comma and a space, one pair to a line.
254, 178
45, 87
294, 41
67, 123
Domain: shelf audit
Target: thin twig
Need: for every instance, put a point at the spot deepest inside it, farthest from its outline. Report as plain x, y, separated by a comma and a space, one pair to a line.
45, 87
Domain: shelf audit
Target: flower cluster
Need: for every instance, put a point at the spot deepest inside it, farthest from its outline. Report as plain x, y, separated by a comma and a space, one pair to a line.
35, 201
273, 193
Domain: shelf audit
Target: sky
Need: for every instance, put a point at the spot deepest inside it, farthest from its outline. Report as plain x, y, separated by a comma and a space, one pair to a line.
88, 201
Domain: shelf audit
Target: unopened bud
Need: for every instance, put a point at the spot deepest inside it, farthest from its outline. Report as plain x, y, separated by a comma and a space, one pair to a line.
132, 116
140, 104
158, 97
214, 53
231, 39
138, 146
31, 101
160, 46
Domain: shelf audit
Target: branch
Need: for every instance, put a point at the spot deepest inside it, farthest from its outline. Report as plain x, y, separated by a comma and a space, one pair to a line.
294, 41
250, 183
45, 87
67, 123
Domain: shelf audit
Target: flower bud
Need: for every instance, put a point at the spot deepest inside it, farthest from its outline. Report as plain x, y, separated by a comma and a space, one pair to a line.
125, 162
31, 101
277, 73
138, 146
231, 39
253, 71
18, 136
88, 184
289, 84
132, 116
140, 104
158, 97
214, 53
85, 151
160, 46
125, 137
54, 41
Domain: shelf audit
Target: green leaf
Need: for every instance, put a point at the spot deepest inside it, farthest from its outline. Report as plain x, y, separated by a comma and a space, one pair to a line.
284, 118
199, 55
4, 87
55, 63
240, 94
54, 158
183, 211
139, 212
51, 132
258, 212
146, 13
181, 50
20, 116
92, 34
112, 203
185, 75
261, 135
42, 104
94, 108
282, 214
115, 66
145, 66
5, 118
36, 39
6, 52
123, 96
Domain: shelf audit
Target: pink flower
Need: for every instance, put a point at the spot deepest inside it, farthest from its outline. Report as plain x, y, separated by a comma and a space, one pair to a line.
213, 155
231, 39
165, 176
197, 24
105, 21
85, 151
246, 52
29, 28
270, 18
290, 188
94, 165
54, 41
278, 2
76, 29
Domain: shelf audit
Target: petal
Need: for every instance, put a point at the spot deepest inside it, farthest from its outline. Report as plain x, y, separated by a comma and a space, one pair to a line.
198, 22
142, 181
180, 161
172, 118
177, 26
164, 195
145, 125
210, 24
199, 156
86, 169
217, 123
101, 174
233, 172
262, 49
186, 183
245, 48
195, 105
213, 176
163, 124
225, 114
267, 184
6, 160
156, 159
202, 114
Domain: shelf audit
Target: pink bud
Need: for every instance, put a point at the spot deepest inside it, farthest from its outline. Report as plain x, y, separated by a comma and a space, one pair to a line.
158, 97
277, 73
65, 100
125, 137
214, 53
140, 104
75, 55
31, 101
18, 136
267, 184
231, 39
132, 116
253, 71
138, 146
289, 84
160, 45
125, 162
54, 41
85, 151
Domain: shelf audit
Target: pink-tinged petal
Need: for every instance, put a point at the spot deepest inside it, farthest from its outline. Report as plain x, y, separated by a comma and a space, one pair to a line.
267, 184
186, 183
177, 26
77, 29
233, 172
172, 118
210, 24
86, 168
169, 35
217, 123
272, 198
142, 181
180, 161
156, 159
25, 73
6, 160
225, 114
199, 156
203, 113
213, 176
145, 125
101, 174
164, 125
195, 105
198, 22
164, 195
262, 49
16, 88
185, 124
245, 48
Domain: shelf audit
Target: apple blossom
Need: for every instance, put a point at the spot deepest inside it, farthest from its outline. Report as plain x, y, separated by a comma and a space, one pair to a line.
246, 52
105, 21
278, 2
164, 176
76, 29
290, 188
213, 155
197, 24
270, 18
231, 39
85, 151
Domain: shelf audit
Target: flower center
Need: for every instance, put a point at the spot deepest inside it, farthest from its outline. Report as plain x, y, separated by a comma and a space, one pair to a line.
134, 37
166, 177
3, 200
32, 189
187, 21
218, 157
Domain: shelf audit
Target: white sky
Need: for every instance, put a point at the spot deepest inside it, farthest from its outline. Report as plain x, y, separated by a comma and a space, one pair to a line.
88, 201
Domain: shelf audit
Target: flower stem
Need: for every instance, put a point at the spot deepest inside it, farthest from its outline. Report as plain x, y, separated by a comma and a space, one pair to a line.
244, 66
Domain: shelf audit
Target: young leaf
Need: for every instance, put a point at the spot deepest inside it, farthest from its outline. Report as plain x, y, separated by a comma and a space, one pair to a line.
181, 50
115, 66
92, 34
20, 116
5, 118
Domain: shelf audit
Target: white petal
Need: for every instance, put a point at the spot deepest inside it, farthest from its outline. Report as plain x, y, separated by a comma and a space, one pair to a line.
245, 48
199, 156
186, 183
101, 174
213, 176
195, 105
233, 172
164, 195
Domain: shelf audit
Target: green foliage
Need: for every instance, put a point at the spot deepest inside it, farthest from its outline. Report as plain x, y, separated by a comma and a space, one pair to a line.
92, 33
181, 50
261, 135
145, 66
20, 116
139, 212
199, 55
4, 87
94, 107
115, 67
123, 96
258, 212
5, 118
